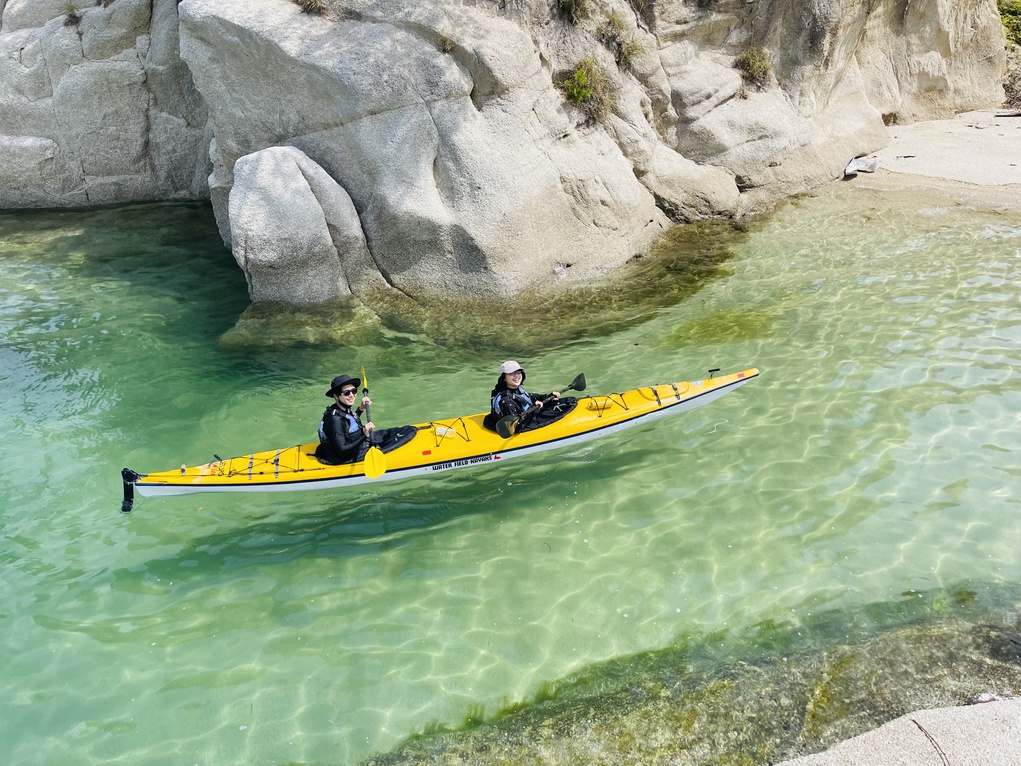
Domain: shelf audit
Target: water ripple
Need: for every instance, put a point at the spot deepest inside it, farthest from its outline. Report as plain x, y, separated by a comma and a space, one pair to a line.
873, 457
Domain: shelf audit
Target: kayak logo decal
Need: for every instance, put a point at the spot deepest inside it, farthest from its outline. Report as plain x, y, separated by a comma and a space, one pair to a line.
462, 463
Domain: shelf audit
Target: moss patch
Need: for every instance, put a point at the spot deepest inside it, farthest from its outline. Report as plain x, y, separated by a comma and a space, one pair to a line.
575, 11
315, 7
282, 325
614, 34
685, 260
707, 703
721, 327
754, 67
1010, 14
587, 87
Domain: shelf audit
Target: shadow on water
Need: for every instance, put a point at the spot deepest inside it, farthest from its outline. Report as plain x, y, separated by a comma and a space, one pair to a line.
200, 569
100, 280
369, 524
687, 259
173, 252
113, 293
154, 249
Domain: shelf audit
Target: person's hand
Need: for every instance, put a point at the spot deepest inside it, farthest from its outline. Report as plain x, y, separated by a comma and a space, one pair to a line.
366, 401
369, 428
539, 404
555, 395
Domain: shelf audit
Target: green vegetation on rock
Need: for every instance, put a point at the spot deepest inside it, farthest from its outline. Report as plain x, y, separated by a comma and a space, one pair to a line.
316, 7
1010, 13
72, 17
613, 33
575, 10
801, 686
588, 87
754, 67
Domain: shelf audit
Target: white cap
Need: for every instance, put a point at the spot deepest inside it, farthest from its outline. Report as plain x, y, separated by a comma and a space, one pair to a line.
509, 367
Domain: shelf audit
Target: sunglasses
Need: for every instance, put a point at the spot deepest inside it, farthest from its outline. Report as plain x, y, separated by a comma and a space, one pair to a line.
348, 391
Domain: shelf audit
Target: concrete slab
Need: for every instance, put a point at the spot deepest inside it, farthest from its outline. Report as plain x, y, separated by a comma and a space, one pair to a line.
986, 734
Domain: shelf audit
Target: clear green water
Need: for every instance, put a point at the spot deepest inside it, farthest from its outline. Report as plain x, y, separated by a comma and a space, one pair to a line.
875, 456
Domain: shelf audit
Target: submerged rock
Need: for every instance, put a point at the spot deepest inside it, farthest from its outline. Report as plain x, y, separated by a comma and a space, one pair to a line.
684, 261
799, 690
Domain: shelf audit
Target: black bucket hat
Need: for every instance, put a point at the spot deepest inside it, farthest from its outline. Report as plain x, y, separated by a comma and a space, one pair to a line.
338, 383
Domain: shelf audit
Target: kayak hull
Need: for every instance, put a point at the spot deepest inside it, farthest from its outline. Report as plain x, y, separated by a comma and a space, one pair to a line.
440, 445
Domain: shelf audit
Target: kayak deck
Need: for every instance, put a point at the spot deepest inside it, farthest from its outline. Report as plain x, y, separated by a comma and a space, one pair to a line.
439, 445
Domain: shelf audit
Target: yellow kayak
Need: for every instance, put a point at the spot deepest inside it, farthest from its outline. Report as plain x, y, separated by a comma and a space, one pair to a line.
438, 446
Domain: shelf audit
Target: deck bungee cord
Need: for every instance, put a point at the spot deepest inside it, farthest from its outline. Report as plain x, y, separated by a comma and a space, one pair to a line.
437, 445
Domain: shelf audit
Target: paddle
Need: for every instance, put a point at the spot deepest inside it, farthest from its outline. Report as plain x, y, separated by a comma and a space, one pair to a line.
508, 426
375, 460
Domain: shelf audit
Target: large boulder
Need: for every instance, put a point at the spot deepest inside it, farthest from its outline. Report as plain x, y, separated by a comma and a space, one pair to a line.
295, 231
469, 174
688, 191
96, 107
932, 60
839, 71
465, 169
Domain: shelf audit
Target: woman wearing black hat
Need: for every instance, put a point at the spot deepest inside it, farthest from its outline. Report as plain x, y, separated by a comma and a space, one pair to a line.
341, 433
342, 437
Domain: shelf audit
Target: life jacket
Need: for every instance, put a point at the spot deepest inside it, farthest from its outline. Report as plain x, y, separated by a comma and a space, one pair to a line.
519, 397
353, 423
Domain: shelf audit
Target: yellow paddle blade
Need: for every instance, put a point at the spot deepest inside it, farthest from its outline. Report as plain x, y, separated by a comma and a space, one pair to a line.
375, 463
365, 381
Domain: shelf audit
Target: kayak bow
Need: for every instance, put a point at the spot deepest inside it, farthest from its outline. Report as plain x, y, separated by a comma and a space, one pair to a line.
439, 446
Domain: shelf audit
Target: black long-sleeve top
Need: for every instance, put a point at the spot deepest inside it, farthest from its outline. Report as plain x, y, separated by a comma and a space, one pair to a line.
340, 435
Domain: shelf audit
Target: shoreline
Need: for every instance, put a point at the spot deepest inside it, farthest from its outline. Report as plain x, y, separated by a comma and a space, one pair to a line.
976, 157
981, 148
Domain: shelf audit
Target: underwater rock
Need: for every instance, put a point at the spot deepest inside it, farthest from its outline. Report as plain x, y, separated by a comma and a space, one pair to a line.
690, 705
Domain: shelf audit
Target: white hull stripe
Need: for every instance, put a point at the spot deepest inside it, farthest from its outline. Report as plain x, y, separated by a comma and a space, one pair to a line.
154, 490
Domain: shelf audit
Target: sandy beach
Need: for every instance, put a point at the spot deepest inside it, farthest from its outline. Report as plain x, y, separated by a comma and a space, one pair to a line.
974, 157
978, 155
975, 147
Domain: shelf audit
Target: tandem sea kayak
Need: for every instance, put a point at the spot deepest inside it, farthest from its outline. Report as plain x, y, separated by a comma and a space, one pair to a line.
437, 447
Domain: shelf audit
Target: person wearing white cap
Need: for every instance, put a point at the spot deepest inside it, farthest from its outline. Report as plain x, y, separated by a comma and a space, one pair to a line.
510, 398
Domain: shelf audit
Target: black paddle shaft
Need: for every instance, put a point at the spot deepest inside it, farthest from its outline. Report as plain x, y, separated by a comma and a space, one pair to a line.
368, 415
508, 426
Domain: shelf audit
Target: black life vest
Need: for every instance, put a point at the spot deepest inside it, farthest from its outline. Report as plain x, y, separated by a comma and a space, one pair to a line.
519, 399
353, 423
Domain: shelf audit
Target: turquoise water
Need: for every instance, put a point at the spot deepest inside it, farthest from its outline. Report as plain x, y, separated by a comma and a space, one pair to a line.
874, 457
